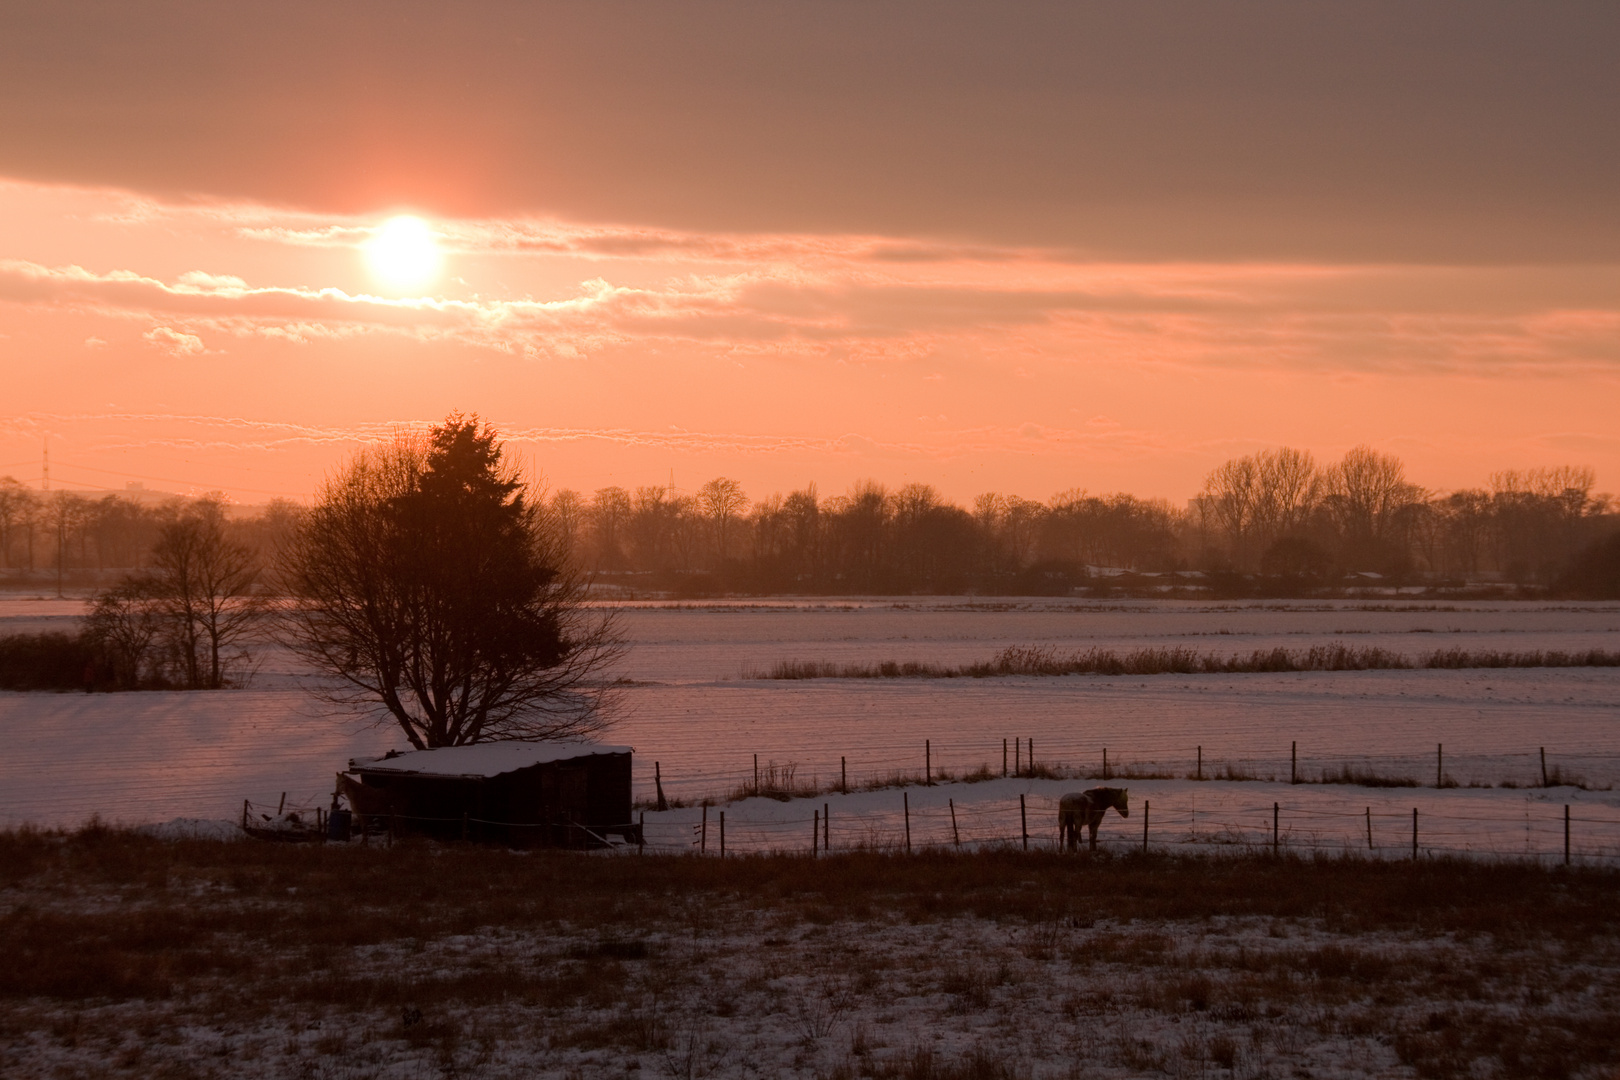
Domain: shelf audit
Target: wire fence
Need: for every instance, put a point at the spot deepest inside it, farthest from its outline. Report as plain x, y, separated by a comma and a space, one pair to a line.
894, 765
1547, 833
1544, 833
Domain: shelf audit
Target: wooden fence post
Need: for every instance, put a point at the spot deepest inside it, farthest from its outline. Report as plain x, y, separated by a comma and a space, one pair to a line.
843, 774
1146, 806
826, 828
815, 831
703, 834
1200, 763
1003, 757
722, 834
1023, 820
658, 782
905, 806
1018, 750
955, 835
1566, 834
1275, 845
1369, 829
928, 766
1032, 756
1105, 763
756, 774
1439, 764
1293, 762
1414, 832
1543, 766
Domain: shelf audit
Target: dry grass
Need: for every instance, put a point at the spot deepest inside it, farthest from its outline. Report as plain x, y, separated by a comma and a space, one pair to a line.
461, 958
1047, 661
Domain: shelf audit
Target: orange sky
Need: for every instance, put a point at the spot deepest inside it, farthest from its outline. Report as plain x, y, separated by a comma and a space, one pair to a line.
1067, 248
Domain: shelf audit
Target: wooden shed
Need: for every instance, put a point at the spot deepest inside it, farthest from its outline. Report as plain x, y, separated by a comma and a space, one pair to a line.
558, 794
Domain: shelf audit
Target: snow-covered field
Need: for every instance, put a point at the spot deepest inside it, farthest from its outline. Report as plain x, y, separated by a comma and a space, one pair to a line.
153, 757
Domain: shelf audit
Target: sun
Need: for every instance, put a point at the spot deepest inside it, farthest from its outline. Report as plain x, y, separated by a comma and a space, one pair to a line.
404, 253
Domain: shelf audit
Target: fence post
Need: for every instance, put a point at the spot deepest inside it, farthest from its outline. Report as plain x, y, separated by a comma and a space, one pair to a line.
1146, 806
955, 835
756, 774
1200, 763
815, 831
928, 764
1566, 834
1369, 829
703, 835
1003, 757
658, 782
1018, 750
1105, 763
722, 834
1439, 764
1293, 762
843, 774
1275, 844
826, 828
1032, 756
1543, 766
905, 805
1023, 818
1414, 832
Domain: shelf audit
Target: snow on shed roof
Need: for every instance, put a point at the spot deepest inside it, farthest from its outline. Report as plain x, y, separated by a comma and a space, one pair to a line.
482, 759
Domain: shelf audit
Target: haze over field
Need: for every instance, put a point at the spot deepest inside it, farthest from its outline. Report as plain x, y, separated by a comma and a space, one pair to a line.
1106, 246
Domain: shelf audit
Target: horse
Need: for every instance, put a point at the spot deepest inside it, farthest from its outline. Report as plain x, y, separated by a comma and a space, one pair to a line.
1088, 808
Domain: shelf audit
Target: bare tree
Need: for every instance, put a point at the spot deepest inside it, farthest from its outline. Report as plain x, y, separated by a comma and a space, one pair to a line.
16, 505
1231, 497
203, 582
426, 583
123, 626
722, 502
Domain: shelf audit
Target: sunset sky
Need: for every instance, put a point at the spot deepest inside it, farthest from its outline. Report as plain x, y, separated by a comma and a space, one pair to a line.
1019, 248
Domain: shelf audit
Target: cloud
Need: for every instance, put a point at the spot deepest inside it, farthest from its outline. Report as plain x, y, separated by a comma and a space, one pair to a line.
174, 342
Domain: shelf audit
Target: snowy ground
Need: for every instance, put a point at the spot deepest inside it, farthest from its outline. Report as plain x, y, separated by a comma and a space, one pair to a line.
355, 965
158, 756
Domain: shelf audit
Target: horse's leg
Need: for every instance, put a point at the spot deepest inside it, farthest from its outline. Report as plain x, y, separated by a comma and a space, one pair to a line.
1093, 823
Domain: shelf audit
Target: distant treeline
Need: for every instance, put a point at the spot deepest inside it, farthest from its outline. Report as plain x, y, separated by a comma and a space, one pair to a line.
1273, 523
67, 533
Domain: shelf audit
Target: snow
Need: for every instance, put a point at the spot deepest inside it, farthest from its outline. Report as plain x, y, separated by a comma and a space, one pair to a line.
1177, 815
153, 757
483, 760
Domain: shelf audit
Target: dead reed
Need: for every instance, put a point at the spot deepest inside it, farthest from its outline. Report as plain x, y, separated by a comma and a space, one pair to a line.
1040, 660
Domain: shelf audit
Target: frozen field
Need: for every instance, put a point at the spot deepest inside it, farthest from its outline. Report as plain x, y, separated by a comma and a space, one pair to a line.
158, 756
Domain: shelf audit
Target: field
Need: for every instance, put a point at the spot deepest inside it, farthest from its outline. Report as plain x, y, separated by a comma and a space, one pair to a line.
156, 757
1263, 912
130, 956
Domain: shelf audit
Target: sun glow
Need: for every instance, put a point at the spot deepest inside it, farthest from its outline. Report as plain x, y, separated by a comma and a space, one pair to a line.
404, 253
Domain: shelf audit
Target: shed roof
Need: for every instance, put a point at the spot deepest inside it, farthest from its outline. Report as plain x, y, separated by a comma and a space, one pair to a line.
482, 760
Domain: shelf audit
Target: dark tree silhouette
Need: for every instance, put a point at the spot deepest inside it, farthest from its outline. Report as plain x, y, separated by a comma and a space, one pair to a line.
202, 583
426, 583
